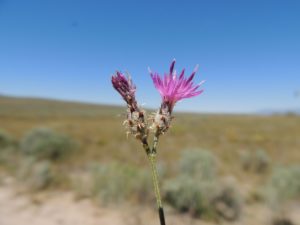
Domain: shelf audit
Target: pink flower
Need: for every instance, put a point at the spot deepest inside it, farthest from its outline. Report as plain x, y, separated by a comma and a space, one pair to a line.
126, 89
172, 88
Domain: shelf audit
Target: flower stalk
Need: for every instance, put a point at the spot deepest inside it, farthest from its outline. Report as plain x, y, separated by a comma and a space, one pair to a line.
151, 155
152, 159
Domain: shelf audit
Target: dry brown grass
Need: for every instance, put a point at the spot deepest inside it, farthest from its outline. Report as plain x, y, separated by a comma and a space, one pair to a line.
102, 137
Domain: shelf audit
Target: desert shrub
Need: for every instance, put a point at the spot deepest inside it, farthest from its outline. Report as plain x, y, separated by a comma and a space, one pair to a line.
8, 153
199, 164
258, 161
38, 175
191, 191
280, 191
227, 201
198, 190
283, 185
25, 168
44, 143
262, 161
187, 194
206, 199
115, 182
5, 140
246, 160
41, 176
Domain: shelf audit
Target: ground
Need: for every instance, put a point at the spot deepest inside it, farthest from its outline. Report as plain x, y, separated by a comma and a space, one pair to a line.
62, 208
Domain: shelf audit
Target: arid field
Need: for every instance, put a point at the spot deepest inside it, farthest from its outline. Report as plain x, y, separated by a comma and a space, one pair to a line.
72, 163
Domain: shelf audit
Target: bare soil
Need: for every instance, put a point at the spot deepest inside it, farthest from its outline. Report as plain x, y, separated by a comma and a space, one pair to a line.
62, 208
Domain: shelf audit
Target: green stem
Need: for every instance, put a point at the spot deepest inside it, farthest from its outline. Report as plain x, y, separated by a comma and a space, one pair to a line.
152, 160
155, 143
151, 153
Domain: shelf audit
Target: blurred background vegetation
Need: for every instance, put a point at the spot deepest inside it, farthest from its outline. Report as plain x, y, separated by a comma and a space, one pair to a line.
212, 167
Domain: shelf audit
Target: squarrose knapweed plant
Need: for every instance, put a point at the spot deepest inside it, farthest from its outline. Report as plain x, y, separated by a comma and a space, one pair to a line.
172, 89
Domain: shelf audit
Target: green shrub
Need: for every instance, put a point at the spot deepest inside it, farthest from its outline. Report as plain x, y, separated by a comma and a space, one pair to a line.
258, 161
25, 168
206, 199
8, 153
282, 188
5, 140
41, 176
246, 160
187, 194
227, 200
199, 164
44, 143
283, 185
262, 161
36, 175
197, 189
114, 182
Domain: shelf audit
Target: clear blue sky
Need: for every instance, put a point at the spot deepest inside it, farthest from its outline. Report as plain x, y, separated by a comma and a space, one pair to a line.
248, 51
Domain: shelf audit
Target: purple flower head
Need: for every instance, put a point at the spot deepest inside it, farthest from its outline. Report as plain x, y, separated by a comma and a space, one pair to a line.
173, 88
126, 89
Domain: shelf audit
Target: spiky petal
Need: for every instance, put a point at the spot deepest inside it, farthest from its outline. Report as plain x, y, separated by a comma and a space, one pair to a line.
173, 89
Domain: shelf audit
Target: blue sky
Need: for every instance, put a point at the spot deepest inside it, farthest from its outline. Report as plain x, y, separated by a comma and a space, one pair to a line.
248, 51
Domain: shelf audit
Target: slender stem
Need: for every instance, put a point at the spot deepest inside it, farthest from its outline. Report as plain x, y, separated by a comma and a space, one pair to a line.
155, 143
152, 159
